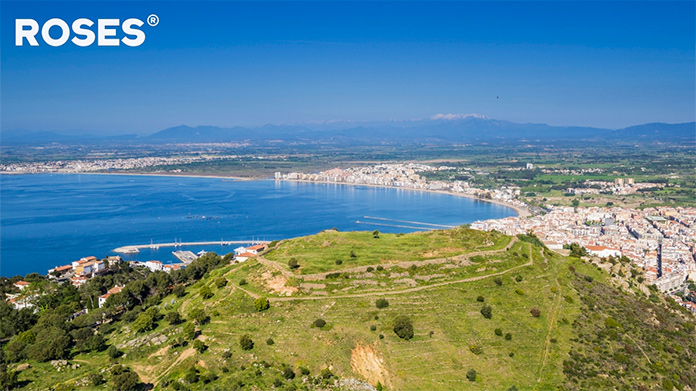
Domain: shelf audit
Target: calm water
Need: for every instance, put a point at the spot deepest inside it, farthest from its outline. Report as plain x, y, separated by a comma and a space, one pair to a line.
53, 219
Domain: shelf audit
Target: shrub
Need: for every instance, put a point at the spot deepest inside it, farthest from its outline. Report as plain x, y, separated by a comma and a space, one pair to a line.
261, 304
375, 234
270, 341
380, 268
293, 263
191, 375
519, 291
487, 311
403, 327
319, 323
498, 281
511, 354
304, 371
518, 278
471, 375
189, 331
113, 352
480, 299
535, 312
381, 303
288, 373
179, 290
199, 346
475, 349
369, 269
245, 342
554, 340
499, 332
513, 388
95, 379
124, 379
352, 254
326, 373
338, 262
571, 268
381, 336
173, 318
198, 315
373, 328
220, 282
205, 292
589, 278
508, 337
242, 282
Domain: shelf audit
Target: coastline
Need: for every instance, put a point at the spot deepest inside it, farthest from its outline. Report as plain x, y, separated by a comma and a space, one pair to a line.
521, 212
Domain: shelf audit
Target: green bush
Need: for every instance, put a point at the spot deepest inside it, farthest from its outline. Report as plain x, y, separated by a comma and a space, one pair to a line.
179, 290
380, 268
245, 342
319, 323
508, 337
471, 375
499, 332
205, 292
498, 281
381, 303
304, 371
475, 349
487, 311
113, 352
293, 263
199, 346
270, 341
288, 373
242, 282
373, 328
518, 278
480, 299
220, 282
535, 312
261, 304
326, 373
124, 379
173, 318
403, 327
338, 262
369, 269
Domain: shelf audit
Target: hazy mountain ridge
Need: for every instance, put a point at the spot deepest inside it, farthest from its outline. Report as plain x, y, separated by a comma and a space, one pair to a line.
433, 130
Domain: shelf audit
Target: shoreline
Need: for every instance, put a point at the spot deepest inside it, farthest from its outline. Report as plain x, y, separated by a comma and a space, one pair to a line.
521, 212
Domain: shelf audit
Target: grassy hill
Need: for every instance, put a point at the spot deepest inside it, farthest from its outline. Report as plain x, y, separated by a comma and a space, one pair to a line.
555, 322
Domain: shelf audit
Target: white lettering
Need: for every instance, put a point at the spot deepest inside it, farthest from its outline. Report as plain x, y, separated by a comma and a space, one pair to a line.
21, 33
129, 30
79, 30
104, 33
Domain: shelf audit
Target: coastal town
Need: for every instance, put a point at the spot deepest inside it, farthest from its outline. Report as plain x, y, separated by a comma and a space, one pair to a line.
660, 240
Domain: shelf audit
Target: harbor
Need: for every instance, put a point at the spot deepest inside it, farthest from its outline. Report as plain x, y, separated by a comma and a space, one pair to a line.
134, 249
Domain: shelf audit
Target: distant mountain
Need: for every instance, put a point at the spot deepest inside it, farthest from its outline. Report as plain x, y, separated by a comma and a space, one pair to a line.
441, 128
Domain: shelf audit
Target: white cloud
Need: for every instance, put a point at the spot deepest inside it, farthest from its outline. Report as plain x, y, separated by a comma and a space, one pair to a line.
451, 116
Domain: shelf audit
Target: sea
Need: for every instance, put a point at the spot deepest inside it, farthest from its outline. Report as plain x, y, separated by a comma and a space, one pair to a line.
48, 220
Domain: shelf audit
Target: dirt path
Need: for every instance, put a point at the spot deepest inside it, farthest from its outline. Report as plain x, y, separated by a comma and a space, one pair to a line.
552, 321
416, 289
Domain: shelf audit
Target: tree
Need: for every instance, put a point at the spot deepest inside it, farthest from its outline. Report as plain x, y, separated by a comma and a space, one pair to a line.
173, 317
381, 303
261, 304
206, 293
375, 234
113, 352
144, 322
52, 343
245, 342
352, 254
498, 281
575, 203
293, 263
199, 316
471, 374
124, 379
403, 327
189, 331
179, 290
487, 311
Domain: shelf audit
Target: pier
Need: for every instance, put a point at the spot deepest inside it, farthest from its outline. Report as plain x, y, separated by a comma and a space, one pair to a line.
136, 248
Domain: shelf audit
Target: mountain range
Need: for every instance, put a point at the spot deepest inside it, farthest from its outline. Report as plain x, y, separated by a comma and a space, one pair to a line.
441, 128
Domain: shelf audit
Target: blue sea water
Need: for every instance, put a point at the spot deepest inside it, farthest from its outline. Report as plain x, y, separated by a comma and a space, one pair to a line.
53, 219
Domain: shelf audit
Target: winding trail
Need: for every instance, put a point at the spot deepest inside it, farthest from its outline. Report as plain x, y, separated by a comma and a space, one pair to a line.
552, 320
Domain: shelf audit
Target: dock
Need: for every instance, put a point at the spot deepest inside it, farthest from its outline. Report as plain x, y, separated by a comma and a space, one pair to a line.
185, 256
136, 248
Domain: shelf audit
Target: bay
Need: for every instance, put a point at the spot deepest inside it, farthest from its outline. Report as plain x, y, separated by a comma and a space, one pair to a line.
48, 220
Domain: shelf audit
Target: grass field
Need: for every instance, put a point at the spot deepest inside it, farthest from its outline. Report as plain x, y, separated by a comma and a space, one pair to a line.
451, 335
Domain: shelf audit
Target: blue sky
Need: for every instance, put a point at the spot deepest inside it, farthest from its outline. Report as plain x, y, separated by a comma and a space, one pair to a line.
604, 64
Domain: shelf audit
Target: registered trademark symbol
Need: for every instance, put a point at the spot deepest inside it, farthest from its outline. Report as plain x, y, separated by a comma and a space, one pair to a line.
153, 20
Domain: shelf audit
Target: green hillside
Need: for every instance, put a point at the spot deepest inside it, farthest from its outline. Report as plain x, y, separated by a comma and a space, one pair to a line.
486, 311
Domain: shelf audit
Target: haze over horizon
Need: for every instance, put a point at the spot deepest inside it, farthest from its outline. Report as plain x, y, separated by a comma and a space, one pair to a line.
596, 64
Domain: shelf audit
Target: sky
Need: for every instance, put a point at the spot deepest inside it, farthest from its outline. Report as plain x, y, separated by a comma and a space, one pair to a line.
602, 64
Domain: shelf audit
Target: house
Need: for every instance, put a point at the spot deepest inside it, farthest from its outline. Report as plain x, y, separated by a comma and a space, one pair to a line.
602, 251
154, 266
256, 248
78, 281
21, 285
114, 290
174, 266
553, 245
240, 250
244, 256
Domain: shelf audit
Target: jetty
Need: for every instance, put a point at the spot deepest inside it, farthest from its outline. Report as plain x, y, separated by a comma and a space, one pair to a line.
136, 248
